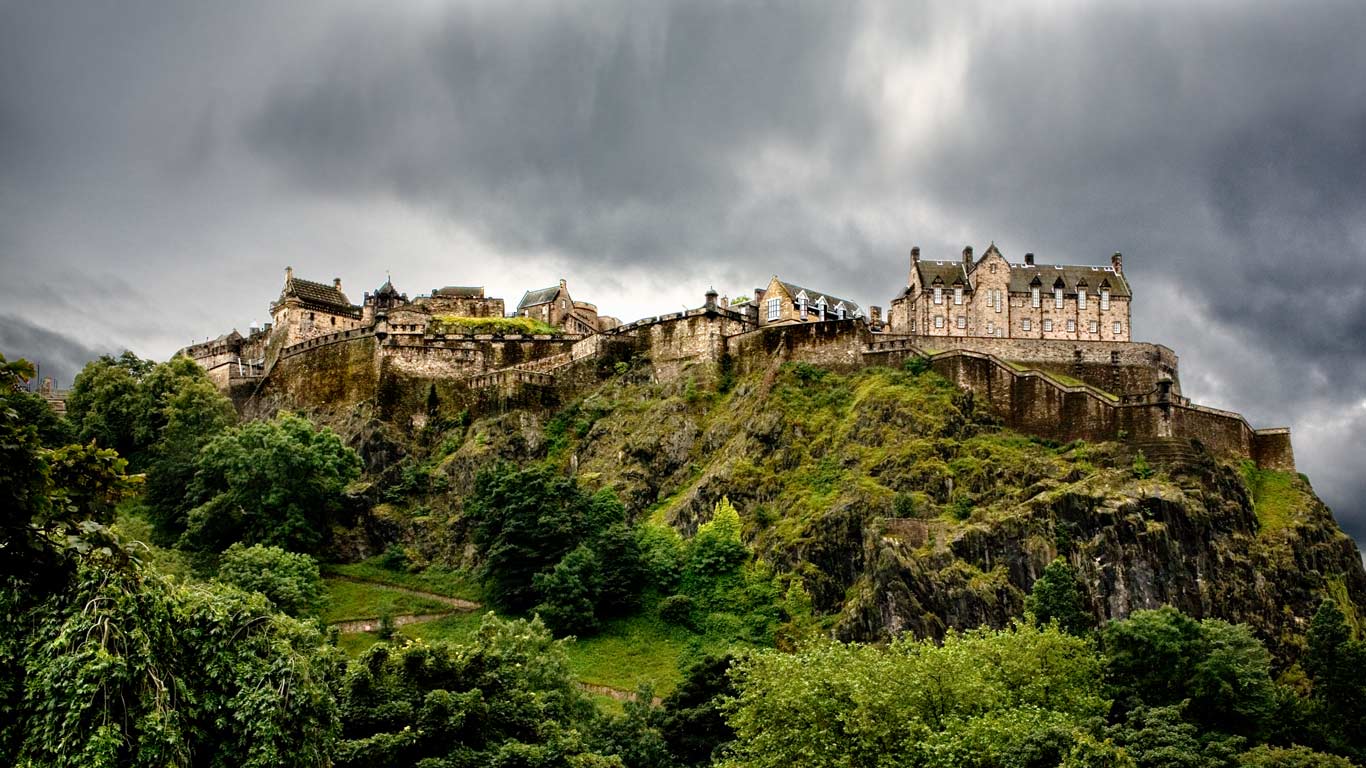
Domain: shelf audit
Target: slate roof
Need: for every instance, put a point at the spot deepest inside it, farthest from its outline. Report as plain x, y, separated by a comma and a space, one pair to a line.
1022, 276
852, 308
387, 289
948, 271
319, 295
537, 297
461, 291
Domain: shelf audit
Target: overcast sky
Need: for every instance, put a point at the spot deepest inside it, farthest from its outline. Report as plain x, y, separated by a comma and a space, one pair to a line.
161, 163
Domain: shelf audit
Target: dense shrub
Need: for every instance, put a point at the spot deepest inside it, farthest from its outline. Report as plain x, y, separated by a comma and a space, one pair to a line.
289, 580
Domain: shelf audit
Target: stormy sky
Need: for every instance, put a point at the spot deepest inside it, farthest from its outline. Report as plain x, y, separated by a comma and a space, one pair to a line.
161, 163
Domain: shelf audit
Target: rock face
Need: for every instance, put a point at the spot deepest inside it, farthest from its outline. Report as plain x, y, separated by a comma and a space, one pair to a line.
902, 506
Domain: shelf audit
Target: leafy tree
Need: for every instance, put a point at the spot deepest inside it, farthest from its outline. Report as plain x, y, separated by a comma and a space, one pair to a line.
1058, 596
1337, 666
290, 581
692, 720
1161, 737
277, 482
1022, 696
188, 412
1290, 757
570, 593
550, 546
717, 548
505, 699
1163, 658
53, 430
106, 401
119, 667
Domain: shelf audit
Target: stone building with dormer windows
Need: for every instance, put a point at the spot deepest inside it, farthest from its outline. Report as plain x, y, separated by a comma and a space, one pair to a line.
783, 302
990, 297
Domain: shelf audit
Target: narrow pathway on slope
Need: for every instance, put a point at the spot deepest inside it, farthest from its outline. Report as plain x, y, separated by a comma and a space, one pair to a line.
458, 603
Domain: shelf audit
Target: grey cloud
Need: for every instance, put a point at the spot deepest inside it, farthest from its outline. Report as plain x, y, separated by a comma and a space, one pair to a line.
56, 354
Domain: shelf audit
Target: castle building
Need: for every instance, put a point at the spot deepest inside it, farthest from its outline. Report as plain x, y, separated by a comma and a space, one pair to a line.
783, 302
993, 298
306, 310
461, 301
554, 306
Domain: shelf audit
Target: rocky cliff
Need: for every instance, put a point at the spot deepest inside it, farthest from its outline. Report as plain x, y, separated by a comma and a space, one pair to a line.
898, 501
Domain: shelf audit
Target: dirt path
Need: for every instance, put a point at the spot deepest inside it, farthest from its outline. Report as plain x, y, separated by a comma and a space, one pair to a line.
457, 605
372, 625
614, 693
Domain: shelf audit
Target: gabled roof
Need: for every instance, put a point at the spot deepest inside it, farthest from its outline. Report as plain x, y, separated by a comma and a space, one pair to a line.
851, 308
948, 272
538, 297
318, 295
387, 290
1048, 275
461, 291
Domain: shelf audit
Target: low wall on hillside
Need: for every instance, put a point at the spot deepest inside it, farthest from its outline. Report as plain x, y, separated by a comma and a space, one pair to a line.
835, 344
1117, 367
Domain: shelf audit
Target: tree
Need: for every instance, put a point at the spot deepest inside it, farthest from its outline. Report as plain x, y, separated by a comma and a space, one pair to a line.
290, 581
106, 401
189, 411
717, 548
119, 667
1337, 666
1162, 737
692, 719
277, 482
506, 698
1290, 757
1058, 596
570, 593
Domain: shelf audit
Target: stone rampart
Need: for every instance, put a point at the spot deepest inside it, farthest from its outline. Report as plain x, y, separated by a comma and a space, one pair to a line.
835, 344
1117, 367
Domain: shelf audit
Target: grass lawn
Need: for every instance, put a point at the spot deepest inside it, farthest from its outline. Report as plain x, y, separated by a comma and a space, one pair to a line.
356, 600
436, 580
628, 652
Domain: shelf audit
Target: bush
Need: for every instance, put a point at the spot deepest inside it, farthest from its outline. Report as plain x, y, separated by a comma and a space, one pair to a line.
291, 582
677, 610
394, 558
916, 365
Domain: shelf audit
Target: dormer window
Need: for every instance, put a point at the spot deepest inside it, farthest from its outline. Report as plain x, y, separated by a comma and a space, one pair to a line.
1104, 298
939, 294
801, 303
1081, 298
1034, 299
1057, 295
958, 294
839, 312
775, 308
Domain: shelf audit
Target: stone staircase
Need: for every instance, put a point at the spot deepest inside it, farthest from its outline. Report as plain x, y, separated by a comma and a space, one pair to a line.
1165, 451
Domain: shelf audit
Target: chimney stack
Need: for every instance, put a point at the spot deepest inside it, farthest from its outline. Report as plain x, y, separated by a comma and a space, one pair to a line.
1117, 261
563, 285
289, 274
915, 255
1029, 259
875, 315
336, 283
967, 256
711, 299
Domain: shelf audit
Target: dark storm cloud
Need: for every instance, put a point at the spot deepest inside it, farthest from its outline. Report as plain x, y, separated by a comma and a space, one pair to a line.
56, 355
160, 163
616, 135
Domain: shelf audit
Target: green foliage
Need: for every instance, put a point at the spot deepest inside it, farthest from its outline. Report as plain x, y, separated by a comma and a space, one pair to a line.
677, 610
549, 545
1162, 737
1293, 757
982, 698
1163, 658
1337, 666
106, 403
692, 719
717, 549
1059, 596
290, 581
525, 326
916, 365
1142, 470
277, 482
121, 668
506, 698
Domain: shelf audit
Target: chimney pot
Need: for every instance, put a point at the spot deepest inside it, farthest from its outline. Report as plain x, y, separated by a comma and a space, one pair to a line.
563, 284
1029, 259
289, 273
967, 256
1117, 261
915, 255
336, 283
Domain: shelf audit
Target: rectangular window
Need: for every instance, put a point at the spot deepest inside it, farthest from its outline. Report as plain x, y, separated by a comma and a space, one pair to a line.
1104, 298
957, 295
1034, 297
991, 328
775, 308
1057, 298
913, 325
1095, 327
938, 295
997, 299
962, 321
1071, 326
1048, 325
1081, 298
1119, 328
1027, 324
938, 321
